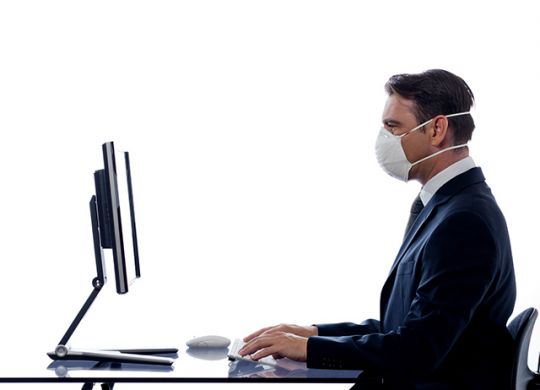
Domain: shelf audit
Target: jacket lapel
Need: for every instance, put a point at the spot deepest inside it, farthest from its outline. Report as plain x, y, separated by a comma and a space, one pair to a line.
411, 234
454, 186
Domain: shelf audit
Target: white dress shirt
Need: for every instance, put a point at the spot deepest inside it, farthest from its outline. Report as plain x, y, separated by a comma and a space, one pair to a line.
443, 177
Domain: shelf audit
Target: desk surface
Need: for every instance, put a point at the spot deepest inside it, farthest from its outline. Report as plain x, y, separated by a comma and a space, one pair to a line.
205, 365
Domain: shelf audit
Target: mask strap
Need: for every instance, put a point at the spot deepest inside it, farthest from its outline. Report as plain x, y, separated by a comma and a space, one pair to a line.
444, 150
429, 120
415, 128
458, 114
437, 153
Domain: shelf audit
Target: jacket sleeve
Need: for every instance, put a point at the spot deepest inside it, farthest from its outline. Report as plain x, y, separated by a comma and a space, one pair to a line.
458, 267
349, 328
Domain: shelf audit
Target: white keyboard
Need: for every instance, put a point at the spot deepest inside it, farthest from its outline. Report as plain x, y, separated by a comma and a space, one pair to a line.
234, 355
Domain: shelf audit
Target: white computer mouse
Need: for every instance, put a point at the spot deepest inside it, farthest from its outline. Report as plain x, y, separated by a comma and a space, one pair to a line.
211, 341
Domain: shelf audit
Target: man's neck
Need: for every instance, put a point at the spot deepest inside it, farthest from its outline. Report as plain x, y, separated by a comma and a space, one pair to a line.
442, 162
432, 186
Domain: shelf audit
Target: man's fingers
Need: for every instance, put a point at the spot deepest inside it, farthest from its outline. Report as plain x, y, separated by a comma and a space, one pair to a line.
268, 330
264, 352
278, 345
256, 345
256, 334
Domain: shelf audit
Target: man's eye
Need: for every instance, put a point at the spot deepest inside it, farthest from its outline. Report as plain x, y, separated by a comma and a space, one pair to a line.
391, 128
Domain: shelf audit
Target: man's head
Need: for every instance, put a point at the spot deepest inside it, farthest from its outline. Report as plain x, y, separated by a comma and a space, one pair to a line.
426, 124
437, 92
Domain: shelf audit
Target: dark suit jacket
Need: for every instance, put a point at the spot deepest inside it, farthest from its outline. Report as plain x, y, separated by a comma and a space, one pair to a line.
446, 302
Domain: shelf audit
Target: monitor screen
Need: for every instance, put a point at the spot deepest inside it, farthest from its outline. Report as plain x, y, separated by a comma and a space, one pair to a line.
116, 216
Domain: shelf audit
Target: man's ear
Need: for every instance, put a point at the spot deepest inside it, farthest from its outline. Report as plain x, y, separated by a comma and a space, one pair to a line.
439, 133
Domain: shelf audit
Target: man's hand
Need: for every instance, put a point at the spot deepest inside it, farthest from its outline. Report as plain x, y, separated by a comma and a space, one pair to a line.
303, 331
280, 341
277, 344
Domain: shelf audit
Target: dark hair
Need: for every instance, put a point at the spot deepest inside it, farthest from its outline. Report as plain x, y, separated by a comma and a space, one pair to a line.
437, 92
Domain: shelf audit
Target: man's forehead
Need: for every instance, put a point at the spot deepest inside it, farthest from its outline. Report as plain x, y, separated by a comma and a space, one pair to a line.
397, 108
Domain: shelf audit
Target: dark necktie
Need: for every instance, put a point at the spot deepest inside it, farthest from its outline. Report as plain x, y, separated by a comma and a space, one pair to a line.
416, 208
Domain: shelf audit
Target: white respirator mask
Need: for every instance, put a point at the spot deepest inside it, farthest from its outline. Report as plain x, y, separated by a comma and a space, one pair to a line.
391, 156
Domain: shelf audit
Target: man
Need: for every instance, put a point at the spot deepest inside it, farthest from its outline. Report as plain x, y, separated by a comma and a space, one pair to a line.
451, 289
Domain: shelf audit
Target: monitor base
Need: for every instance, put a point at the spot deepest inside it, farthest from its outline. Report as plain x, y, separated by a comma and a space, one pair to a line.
139, 356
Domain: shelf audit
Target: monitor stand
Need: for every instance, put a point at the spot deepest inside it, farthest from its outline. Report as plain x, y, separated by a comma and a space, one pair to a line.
140, 356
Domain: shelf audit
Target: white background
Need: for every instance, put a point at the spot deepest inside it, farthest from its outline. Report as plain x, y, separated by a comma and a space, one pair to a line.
251, 127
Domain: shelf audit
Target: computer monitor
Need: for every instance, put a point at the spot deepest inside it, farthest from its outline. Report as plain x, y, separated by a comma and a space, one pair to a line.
113, 201
112, 204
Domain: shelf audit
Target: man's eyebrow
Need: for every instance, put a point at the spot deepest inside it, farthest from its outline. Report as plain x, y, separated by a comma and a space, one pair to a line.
391, 122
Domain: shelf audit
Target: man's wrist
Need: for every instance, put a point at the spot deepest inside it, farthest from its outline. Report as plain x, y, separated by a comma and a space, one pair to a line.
313, 330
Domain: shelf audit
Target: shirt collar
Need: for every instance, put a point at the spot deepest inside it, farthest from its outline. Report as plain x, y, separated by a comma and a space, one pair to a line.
441, 178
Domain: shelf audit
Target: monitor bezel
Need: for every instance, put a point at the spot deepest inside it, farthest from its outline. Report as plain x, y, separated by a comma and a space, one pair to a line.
117, 239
